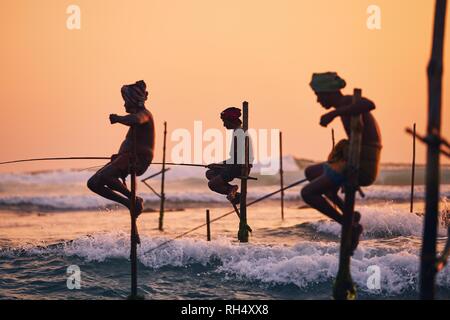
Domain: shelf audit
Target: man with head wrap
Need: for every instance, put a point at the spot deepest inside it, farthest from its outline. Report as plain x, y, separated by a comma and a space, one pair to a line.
220, 174
105, 182
326, 178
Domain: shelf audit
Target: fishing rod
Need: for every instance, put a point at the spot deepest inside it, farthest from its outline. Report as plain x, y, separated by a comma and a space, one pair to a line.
96, 158
55, 158
228, 213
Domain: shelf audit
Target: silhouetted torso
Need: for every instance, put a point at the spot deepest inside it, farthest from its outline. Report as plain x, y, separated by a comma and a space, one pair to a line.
145, 137
371, 131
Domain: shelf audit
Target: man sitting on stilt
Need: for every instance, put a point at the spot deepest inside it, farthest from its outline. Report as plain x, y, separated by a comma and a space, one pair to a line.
221, 174
327, 178
105, 182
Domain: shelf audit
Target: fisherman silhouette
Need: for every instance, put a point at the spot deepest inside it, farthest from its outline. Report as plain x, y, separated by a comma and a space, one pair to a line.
106, 181
327, 178
221, 174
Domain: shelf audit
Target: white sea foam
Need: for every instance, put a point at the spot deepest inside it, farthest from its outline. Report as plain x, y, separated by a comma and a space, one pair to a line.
57, 202
66, 189
58, 177
304, 265
388, 176
382, 221
85, 200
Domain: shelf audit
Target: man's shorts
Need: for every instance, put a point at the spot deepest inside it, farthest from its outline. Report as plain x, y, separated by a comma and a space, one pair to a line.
121, 162
368, 166
337, 177
228, 172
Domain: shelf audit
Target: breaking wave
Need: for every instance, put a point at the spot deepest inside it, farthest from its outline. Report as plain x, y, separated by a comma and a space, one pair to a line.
305, 265
382, 221
84, 201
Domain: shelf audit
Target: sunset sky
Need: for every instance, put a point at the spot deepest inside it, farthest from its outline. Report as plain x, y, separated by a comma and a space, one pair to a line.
58, 86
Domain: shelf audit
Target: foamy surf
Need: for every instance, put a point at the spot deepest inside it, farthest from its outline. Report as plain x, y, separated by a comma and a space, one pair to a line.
305, 265
202, 196
295, 258
383, 221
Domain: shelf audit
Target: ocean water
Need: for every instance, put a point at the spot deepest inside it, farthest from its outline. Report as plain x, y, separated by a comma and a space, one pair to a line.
49, 221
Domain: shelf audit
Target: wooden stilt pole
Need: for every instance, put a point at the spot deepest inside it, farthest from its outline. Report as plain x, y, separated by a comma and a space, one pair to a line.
235, 154
281, 176
208, 226
333, 144
163, 175
134, 232
243, 230
413, 170
333, 141
435, 68
344, 288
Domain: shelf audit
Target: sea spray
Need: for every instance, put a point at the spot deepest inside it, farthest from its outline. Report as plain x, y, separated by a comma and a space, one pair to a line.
305, 265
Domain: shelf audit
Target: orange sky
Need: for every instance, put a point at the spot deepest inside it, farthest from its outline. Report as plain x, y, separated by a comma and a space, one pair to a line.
57, 86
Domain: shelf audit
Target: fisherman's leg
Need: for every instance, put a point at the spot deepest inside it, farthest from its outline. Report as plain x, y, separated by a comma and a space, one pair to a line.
118, 186
334, 197
219, 185
339, 179
219, 180
313, 193
210, 174
339, 202
110, 176
314, 171
96, 185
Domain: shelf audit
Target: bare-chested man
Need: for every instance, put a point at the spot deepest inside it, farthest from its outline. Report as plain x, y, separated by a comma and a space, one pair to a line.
326, 178
221, 174
106, 181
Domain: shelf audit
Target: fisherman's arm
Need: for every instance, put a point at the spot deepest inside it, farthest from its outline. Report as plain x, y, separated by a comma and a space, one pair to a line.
354, 109
131, 119
362, 106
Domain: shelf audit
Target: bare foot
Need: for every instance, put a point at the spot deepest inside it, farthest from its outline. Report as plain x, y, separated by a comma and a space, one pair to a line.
232, 195
139, 207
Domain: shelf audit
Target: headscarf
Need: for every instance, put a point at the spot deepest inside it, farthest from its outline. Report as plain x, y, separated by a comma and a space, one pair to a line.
135, 93
327, 82
231, 114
